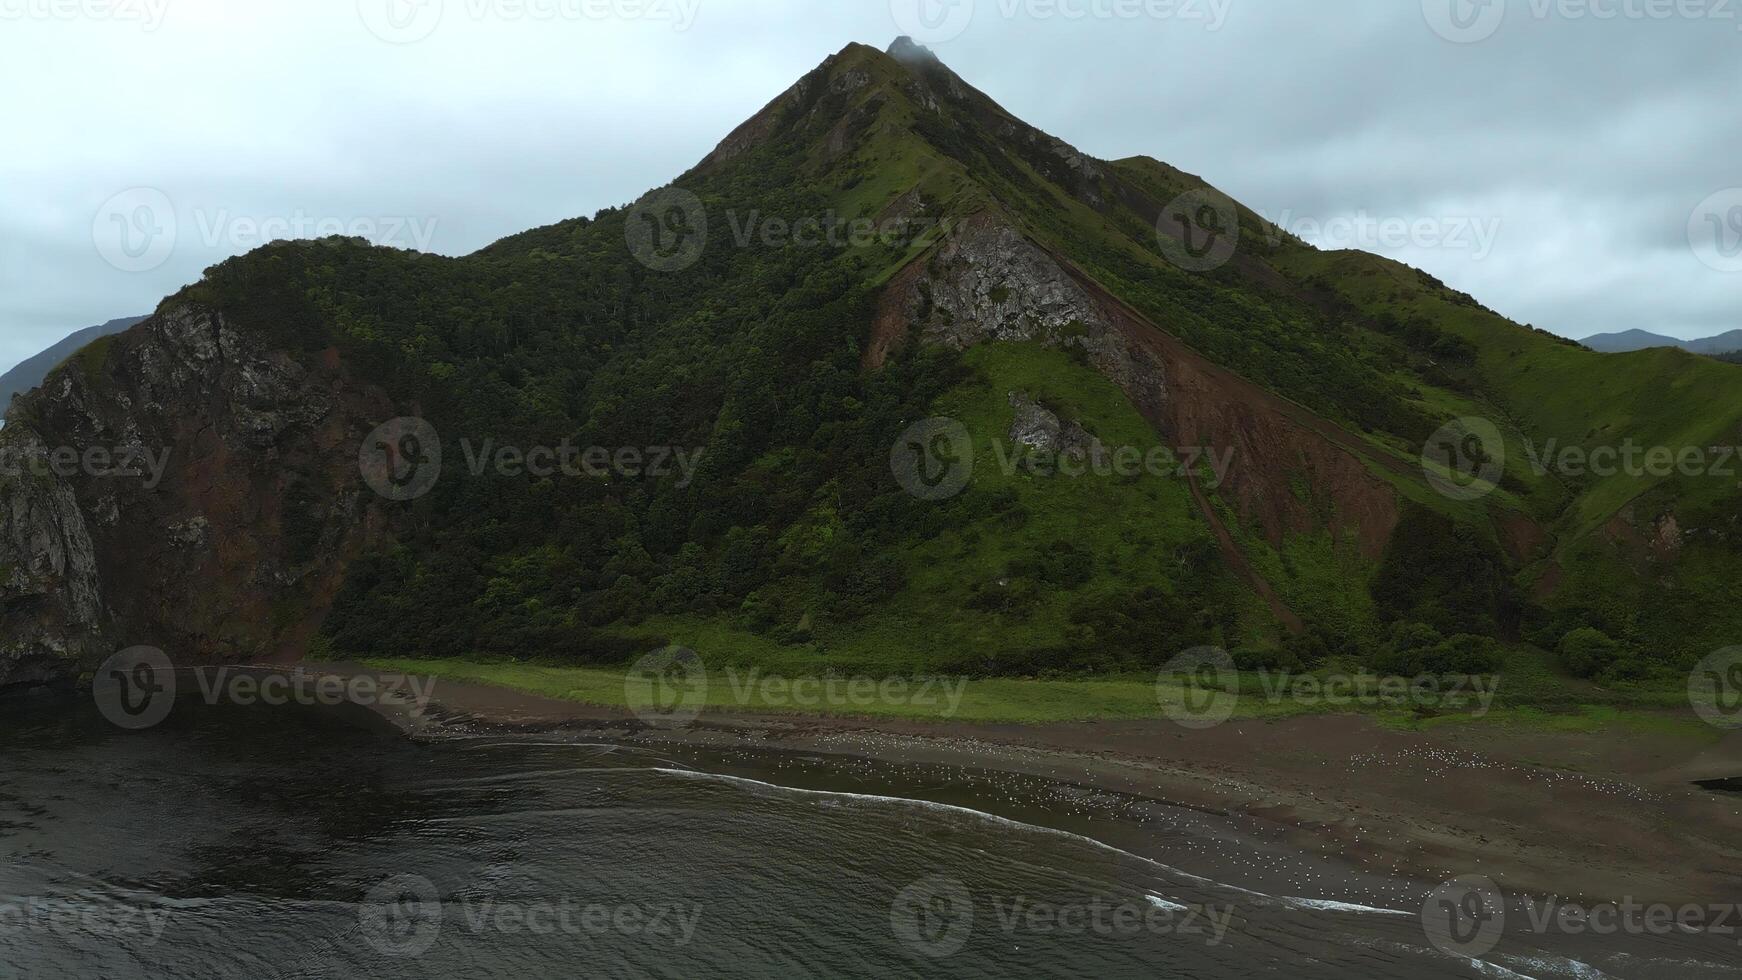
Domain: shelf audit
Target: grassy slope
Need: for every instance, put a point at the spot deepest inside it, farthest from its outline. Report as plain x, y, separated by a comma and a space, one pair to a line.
1133, 527
1539, 389
1550, 390
1392, 457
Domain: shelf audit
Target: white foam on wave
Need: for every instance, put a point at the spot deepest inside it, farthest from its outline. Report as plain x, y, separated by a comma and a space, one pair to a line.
1560, 967
1327, 905
523, 775
1488, 969
1162, 903
1289, 902
968, 811
498, 742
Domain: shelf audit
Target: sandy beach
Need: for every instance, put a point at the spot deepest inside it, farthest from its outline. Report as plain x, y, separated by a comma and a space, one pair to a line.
1593, 817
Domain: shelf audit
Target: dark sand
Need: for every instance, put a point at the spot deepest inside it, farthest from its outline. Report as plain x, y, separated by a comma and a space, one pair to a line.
1589, 817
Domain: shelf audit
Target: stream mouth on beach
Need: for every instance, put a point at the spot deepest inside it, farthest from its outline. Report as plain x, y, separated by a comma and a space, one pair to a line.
314, 842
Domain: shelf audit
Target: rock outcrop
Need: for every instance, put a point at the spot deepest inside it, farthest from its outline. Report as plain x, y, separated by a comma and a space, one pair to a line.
146, 488
989, 282
1039, 428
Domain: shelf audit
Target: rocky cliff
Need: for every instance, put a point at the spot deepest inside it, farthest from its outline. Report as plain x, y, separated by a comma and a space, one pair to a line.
179, 485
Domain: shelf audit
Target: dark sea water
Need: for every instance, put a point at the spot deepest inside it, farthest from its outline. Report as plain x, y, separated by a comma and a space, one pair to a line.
298, 842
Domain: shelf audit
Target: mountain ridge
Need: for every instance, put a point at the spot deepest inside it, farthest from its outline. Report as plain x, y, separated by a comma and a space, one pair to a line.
1628, 341
31, 371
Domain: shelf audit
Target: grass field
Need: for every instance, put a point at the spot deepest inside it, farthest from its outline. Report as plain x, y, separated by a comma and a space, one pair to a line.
1523, 698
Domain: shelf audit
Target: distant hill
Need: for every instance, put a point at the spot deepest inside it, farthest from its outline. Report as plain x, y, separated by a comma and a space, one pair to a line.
29, 372
1632, 340
1628, 340
1724, 343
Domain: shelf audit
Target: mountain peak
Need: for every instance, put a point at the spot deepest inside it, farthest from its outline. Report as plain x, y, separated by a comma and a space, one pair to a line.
858, 75
909, 52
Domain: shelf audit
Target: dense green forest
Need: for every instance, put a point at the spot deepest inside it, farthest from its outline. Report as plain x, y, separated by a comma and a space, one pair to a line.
752, 358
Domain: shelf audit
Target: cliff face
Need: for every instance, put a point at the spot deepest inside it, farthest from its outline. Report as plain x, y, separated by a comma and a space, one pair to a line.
51, 609
178, 485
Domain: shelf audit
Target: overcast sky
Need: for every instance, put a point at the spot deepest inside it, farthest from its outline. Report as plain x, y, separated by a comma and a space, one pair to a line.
1559, 165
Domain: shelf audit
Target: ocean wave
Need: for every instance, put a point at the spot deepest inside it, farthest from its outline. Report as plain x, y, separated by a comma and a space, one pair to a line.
952, 808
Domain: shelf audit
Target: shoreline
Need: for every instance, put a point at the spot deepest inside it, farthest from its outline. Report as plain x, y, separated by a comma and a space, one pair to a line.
1588, 816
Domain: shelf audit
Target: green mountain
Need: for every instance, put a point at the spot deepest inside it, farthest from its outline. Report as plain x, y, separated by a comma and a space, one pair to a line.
1157, 422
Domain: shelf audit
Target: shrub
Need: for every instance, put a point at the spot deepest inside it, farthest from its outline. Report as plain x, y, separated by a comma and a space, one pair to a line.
1462, 654
1063, 565
1005, 595
1266, 658
1588, 652
1141, 628
1397, 663
1414, 637
1307, 648
1405, 654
